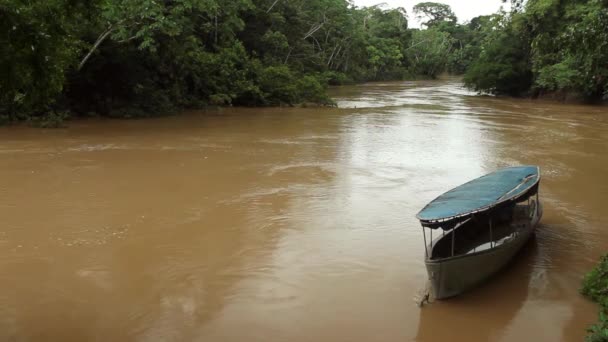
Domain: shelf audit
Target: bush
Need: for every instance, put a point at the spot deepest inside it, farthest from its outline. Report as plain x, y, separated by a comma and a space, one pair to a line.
4, 119
503, 66
595, 286
279, 85
53, 119
500, 70
311, 90
337, 78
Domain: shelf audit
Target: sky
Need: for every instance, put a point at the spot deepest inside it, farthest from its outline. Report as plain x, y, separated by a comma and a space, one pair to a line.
465, 9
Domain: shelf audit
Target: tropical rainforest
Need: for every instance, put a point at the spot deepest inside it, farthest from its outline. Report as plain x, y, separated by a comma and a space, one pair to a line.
139, 58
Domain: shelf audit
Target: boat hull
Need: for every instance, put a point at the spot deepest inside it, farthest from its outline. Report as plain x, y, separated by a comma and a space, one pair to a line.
452, 276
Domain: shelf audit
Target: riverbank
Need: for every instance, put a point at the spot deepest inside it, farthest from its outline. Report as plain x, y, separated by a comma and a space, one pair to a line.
595, 286
316, 96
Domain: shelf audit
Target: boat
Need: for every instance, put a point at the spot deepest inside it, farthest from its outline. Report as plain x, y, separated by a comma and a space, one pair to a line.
482, 225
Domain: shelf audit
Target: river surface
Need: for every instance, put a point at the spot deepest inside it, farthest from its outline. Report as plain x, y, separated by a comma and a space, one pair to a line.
292, 224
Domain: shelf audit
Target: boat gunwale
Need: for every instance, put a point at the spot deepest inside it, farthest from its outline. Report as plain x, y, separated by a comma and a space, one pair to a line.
480, 209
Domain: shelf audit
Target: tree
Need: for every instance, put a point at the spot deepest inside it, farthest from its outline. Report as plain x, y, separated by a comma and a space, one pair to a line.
466, 41
428, 52
150, 57
434, 13
545, 46
569, 46
142, 20
503, 66
38, 46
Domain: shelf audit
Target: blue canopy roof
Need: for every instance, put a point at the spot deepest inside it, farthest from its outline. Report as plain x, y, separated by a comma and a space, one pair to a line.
481, 194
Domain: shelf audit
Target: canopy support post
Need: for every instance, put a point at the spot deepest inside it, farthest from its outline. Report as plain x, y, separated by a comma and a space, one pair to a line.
491, 235
426, 252
453, 234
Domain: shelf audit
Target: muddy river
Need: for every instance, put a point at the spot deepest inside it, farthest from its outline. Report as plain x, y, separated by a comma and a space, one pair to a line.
292, 224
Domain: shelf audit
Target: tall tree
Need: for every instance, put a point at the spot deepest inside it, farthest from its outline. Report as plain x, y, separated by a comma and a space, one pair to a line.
37, 46
434, 13
428, 52
546, 46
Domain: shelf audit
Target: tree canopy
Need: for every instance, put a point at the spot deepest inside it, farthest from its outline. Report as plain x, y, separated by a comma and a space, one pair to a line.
150, 57
546, 47
434, 13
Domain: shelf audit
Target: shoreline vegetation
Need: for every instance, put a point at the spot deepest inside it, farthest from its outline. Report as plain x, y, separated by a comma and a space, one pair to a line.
142, 58
595, 287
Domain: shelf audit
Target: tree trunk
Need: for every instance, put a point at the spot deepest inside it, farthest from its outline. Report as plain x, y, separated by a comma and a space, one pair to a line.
271, 6
289, 54
215, 29
100, 39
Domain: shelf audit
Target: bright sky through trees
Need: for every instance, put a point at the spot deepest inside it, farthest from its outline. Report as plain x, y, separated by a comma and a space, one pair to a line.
465, 9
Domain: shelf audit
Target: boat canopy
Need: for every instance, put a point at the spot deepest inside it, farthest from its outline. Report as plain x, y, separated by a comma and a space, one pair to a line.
480, 195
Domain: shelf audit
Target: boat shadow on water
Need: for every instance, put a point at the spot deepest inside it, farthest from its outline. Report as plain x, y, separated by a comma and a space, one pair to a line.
486, 311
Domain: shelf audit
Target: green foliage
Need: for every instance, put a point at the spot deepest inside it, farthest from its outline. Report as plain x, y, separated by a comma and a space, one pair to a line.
458, 46
503, 65
146, 57
313, 90
4, 119
384, 56
428, 52
54, 119
466, 42
563, 75
595, 286
337, 78
569, 46
460, 59
435, 13
278, 85
37, 49
563, 46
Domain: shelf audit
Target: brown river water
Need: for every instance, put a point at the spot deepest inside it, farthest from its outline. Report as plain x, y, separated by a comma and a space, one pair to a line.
292, 224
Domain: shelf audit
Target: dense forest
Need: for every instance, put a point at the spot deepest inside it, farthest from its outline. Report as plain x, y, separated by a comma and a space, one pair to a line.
138, 58
545, 47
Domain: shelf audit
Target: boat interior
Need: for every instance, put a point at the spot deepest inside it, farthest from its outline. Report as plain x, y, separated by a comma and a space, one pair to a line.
482, 232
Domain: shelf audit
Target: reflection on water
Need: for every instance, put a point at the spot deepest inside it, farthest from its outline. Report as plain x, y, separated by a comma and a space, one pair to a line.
474, 316
291, 223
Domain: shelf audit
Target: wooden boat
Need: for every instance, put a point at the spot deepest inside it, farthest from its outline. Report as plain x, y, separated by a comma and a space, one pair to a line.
482, 225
